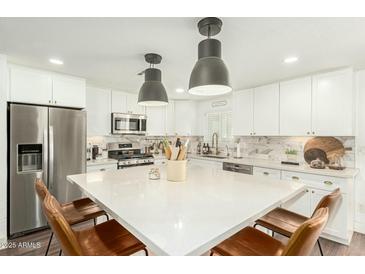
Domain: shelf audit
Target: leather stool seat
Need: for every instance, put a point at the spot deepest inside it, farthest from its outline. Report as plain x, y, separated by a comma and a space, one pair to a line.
250, 242
108, 239
81, 210
282, 221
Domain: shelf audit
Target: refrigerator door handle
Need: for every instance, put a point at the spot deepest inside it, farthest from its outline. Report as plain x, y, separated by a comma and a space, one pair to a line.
44, 176
51, 158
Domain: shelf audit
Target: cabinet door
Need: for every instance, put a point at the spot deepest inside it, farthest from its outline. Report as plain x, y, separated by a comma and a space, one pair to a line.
30, 86
333, 103
242, 116
119, 101
170, 118
300, 204
337, 222
132, 105
186, 118
69, 92
266, 110
295, 107
98, 111
156, 120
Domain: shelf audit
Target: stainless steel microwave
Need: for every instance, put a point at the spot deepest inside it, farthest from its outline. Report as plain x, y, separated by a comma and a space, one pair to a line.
125, 123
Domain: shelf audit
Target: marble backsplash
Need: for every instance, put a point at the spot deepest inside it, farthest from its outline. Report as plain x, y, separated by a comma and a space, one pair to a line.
271, 148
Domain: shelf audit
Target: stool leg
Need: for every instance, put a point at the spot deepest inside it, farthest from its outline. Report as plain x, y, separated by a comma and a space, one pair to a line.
94, 221
146, 251
49, 244
211, 253
273, 233
107, 217
320, 247
60, 253
254, 225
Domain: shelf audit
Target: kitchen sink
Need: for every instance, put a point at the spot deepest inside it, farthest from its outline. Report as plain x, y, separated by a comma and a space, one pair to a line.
215, 156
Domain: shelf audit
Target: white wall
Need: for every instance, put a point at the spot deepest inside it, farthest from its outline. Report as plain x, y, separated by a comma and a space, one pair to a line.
360, 155
3, 145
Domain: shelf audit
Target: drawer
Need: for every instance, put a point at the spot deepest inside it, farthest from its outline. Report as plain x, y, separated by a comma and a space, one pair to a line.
103, 167
326, 183
267, 172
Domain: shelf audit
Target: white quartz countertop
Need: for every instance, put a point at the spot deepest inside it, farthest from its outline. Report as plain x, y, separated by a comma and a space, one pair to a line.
186, 218
104, 161
304, 168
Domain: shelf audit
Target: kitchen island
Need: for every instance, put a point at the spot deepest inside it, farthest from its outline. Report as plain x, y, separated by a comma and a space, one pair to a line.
186, 218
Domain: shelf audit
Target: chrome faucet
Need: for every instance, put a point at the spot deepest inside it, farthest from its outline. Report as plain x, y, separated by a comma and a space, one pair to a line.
215, 134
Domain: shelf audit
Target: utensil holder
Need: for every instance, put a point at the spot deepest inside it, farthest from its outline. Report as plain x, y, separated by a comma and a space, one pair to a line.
176, 170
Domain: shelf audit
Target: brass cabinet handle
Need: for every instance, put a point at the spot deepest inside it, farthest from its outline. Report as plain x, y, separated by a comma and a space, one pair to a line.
266, 173
308, 132
295, 177
328, 183
313, 132
102, 169
306, 190
312, 191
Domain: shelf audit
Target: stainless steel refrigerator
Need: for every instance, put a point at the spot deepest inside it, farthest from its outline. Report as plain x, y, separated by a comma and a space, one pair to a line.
43, 142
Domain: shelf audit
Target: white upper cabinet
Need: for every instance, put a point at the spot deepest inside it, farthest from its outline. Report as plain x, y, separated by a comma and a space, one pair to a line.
98, 107
45, 88
296, 107
132, 106
156, 120
69, 91
186, 118
332, 103
170, 118
242, 118
119, 101
266, 110
30, 86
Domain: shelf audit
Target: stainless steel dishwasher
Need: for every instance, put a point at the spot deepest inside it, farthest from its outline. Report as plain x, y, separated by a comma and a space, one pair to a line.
241, 168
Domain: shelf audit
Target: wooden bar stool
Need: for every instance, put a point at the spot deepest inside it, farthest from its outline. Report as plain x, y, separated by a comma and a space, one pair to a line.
105, 239
285, 222
253, 242
75, 212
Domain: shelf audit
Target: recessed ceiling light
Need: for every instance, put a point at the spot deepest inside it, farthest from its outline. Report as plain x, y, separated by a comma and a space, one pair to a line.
291, 59
56, 61
180, 90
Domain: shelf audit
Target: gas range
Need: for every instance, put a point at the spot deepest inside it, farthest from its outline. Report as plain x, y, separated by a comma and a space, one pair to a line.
128, 156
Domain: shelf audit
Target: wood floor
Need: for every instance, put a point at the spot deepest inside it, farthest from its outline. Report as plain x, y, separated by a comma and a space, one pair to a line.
356, 248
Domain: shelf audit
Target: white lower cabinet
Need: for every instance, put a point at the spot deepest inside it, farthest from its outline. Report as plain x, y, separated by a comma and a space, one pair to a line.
267, 172
102, 167
339, 227
300, 204
216, 164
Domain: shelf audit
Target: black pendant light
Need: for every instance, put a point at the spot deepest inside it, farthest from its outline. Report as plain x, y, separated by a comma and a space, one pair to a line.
210, 75
152, 92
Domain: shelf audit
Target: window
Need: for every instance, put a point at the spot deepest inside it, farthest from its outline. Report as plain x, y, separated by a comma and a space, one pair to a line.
221, 123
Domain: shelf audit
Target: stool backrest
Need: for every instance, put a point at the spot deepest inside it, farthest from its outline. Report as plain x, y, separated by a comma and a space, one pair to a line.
41, 189
60, 227
305, 237
329, 201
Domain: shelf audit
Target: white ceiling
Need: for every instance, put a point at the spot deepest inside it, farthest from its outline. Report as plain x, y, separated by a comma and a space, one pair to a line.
109, 51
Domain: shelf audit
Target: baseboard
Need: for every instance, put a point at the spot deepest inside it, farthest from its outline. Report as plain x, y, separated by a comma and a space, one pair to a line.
359, 227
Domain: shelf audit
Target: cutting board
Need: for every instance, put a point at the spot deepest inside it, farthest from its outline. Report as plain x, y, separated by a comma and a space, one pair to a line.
326, 149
